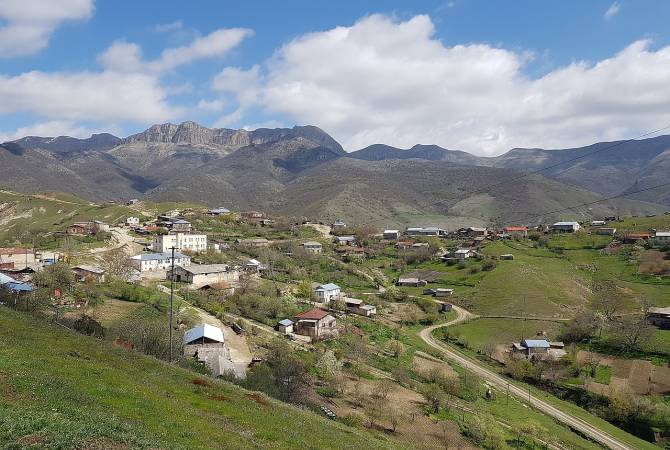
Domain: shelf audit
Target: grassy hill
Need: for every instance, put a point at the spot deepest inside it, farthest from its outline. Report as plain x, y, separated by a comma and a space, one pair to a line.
59, 389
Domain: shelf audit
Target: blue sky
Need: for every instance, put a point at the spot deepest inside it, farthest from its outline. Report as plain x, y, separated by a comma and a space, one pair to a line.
480, 76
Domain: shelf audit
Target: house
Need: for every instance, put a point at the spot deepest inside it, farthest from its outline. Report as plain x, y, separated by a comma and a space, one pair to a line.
148, 262
312, 247
413, 231
218, 211
507, 257
13, 285
410, 281
432, 231
598, 223
256, 218
606, 231
315, 323
256, 242
132, 201
632, 238
253, 215
338, 225
565, 227
404, 245
464, 253
206, 343
328, 292
443, 292
539, 349
222, 287
659, 317
132, 221
20, 257
180, 241
477, 232
391, 234
89, 273
345, 240
200, 275
181, 225
532, 347
662, 237
253, 265
86, 228
356, 306
285, 326
446, 307
217, 245
516, 231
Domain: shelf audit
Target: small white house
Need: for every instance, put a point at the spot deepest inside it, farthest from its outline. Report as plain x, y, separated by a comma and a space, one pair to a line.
148, 262
345, 240
598, 223
391, 234
565, 227
132, 221
328, 292
285, 326
313, 247
662, 237
464, 253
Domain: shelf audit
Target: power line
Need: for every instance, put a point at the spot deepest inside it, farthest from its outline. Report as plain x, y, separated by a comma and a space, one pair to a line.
536, 171
581, 205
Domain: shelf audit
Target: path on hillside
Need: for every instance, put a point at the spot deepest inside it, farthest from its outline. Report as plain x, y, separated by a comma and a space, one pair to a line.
121, 238
524, 395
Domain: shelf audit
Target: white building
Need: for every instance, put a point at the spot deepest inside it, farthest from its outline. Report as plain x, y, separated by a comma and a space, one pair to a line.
327, 292
464, 253
148, 262
132, 221
180, 241
200, 275
313, 247
565, 227
662, 237
391, 234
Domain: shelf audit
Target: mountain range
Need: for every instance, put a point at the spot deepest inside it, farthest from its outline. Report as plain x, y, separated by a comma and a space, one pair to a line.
304, 172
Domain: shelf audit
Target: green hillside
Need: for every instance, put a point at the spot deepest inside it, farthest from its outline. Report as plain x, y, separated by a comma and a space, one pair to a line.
63, 390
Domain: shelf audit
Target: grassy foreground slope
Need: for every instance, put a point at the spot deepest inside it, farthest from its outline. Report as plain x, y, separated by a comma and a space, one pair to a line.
59, 389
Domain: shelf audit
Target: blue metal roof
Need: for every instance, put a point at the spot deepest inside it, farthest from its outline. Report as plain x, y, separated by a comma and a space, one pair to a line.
286, 322
5, 279
19, 287
160, 256
536, 343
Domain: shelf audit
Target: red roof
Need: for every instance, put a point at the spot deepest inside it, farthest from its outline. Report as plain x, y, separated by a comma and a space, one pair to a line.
516, 228
312, 314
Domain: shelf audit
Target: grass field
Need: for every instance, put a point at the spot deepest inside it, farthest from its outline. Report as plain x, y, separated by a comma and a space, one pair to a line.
479, 332
63, 390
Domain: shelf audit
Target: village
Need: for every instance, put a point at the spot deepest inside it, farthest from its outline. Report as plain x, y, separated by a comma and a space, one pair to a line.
351, 296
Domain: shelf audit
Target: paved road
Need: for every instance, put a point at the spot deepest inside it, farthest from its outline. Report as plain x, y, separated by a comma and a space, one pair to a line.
499, 381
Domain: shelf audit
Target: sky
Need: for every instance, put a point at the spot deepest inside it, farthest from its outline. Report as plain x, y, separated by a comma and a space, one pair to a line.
472, 75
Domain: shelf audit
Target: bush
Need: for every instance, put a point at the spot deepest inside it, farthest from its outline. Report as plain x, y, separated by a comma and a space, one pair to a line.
488, 265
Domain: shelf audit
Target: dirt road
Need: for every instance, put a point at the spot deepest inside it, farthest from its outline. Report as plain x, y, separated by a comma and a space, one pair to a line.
497, 380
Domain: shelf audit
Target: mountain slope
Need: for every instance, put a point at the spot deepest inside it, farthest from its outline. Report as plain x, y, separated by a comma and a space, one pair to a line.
64, 390
303, 171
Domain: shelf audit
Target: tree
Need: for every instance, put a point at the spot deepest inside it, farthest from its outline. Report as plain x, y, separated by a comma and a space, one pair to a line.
434, 396
395, 348
582, 328
606, 298
115, 263
633, 333
56, 276
288, 372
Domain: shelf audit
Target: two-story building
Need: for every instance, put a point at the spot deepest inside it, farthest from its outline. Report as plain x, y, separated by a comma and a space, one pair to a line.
149, 262
328, 292
180, 241
312, 247
315, 323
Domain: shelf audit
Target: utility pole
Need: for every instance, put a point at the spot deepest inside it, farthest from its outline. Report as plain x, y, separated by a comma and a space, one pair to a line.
171, 298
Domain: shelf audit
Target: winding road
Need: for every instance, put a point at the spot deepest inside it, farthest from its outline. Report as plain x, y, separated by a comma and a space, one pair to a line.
497, 380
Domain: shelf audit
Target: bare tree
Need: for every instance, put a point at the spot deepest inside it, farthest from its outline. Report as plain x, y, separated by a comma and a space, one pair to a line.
115, 263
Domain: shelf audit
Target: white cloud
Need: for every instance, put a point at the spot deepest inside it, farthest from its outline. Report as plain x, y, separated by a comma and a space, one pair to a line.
211, 105
613, 10
125, 56
169, 27
88, 96
30, 23
381, 81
